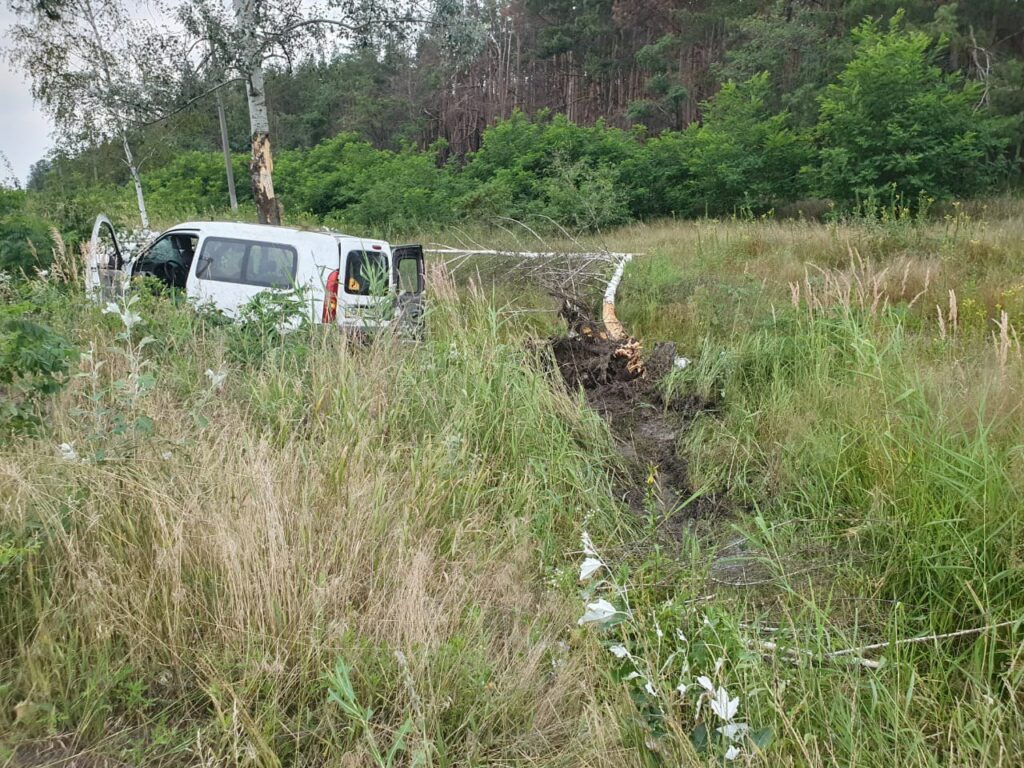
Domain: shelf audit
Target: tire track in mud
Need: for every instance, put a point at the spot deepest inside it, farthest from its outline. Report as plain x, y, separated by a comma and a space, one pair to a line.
603, 360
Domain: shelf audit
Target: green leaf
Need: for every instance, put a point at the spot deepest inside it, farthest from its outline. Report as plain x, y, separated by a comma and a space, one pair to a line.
699, 738
762, 737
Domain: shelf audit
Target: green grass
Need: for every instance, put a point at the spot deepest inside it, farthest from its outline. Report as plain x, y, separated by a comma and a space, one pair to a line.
874, 462
183, 591
348, 548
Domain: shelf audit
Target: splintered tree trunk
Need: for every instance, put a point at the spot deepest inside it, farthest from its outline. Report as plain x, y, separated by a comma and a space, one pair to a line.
133, 169
227, 152
261, 166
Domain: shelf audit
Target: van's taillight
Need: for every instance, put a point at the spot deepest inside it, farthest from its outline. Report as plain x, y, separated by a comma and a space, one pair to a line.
331, 299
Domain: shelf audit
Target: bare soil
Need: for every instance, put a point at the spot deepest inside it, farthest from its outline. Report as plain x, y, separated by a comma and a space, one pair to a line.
647, 427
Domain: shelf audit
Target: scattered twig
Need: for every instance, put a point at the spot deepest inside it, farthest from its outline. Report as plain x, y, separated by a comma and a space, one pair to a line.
796, 655
923, 639
856, 655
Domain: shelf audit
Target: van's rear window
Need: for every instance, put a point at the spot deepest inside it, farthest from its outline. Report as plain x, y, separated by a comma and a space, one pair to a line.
366, 272
227, 260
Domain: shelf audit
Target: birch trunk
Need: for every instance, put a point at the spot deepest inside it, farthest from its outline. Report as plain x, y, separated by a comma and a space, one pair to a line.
133, 169
227, 152
261, 166
108, 79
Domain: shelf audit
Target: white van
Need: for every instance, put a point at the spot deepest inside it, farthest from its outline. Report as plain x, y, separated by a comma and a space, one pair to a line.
347, 280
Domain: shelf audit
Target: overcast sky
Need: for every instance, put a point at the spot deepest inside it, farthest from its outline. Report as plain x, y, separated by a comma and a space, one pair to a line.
24, 129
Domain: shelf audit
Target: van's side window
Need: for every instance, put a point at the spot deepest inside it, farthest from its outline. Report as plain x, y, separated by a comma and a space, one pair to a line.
366, 272
269, 265
222, 260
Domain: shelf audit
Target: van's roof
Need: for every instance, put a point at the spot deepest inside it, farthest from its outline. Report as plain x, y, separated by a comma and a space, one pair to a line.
269, 232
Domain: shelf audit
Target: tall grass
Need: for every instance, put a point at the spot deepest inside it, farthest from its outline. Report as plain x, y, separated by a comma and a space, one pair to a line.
180, 591
872, 455
255, 549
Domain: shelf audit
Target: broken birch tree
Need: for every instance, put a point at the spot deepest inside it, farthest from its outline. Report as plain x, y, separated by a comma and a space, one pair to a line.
261, 163
256, 30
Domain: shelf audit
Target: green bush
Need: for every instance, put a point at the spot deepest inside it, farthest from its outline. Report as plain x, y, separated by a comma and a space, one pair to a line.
348, 183
402, 191
742, 156
656, 179
195, 183
552, 168
33, 365
24, 238
895, 126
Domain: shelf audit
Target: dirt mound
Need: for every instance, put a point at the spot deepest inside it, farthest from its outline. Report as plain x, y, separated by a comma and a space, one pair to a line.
647, 427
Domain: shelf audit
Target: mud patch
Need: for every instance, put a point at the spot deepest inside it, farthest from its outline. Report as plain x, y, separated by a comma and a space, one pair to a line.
647, 428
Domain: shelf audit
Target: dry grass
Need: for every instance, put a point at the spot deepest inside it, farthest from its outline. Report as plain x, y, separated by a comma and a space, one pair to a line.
178, 593
216, 570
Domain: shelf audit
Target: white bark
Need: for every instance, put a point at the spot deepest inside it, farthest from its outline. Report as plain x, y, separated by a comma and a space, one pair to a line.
99, 44
137, 180
261, 166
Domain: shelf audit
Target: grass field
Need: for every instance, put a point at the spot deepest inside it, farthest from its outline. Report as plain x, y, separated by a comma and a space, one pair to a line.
320, 553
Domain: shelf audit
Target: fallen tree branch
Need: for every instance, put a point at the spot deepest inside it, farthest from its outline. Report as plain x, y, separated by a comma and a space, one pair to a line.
796, 655
923, 639
856, 655
611, 321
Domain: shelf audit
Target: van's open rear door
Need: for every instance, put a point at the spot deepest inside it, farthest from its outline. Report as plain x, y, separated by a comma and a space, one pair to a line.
105, 275
408, 276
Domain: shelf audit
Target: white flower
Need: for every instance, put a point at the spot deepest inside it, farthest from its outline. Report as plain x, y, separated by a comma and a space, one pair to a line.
597, 612
680, 636
682, 688
67, 451
732, 731
589, 567
723, 706
166, 455
732, 752
719, 663
111, 308
588, 545
216, 379
681, 362
633, 675
619, 651
650, 688
706, 684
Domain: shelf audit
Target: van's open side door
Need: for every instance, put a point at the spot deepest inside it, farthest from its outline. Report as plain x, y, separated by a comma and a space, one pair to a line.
408, 275
105, 275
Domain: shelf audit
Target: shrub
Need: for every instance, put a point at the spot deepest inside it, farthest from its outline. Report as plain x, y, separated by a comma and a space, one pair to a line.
33, 365
656, 178
549, 167
195, 182
896, 126
346, 179
23, 237
742, 155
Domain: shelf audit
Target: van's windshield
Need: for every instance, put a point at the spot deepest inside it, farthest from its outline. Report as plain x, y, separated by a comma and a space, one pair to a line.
366, 273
